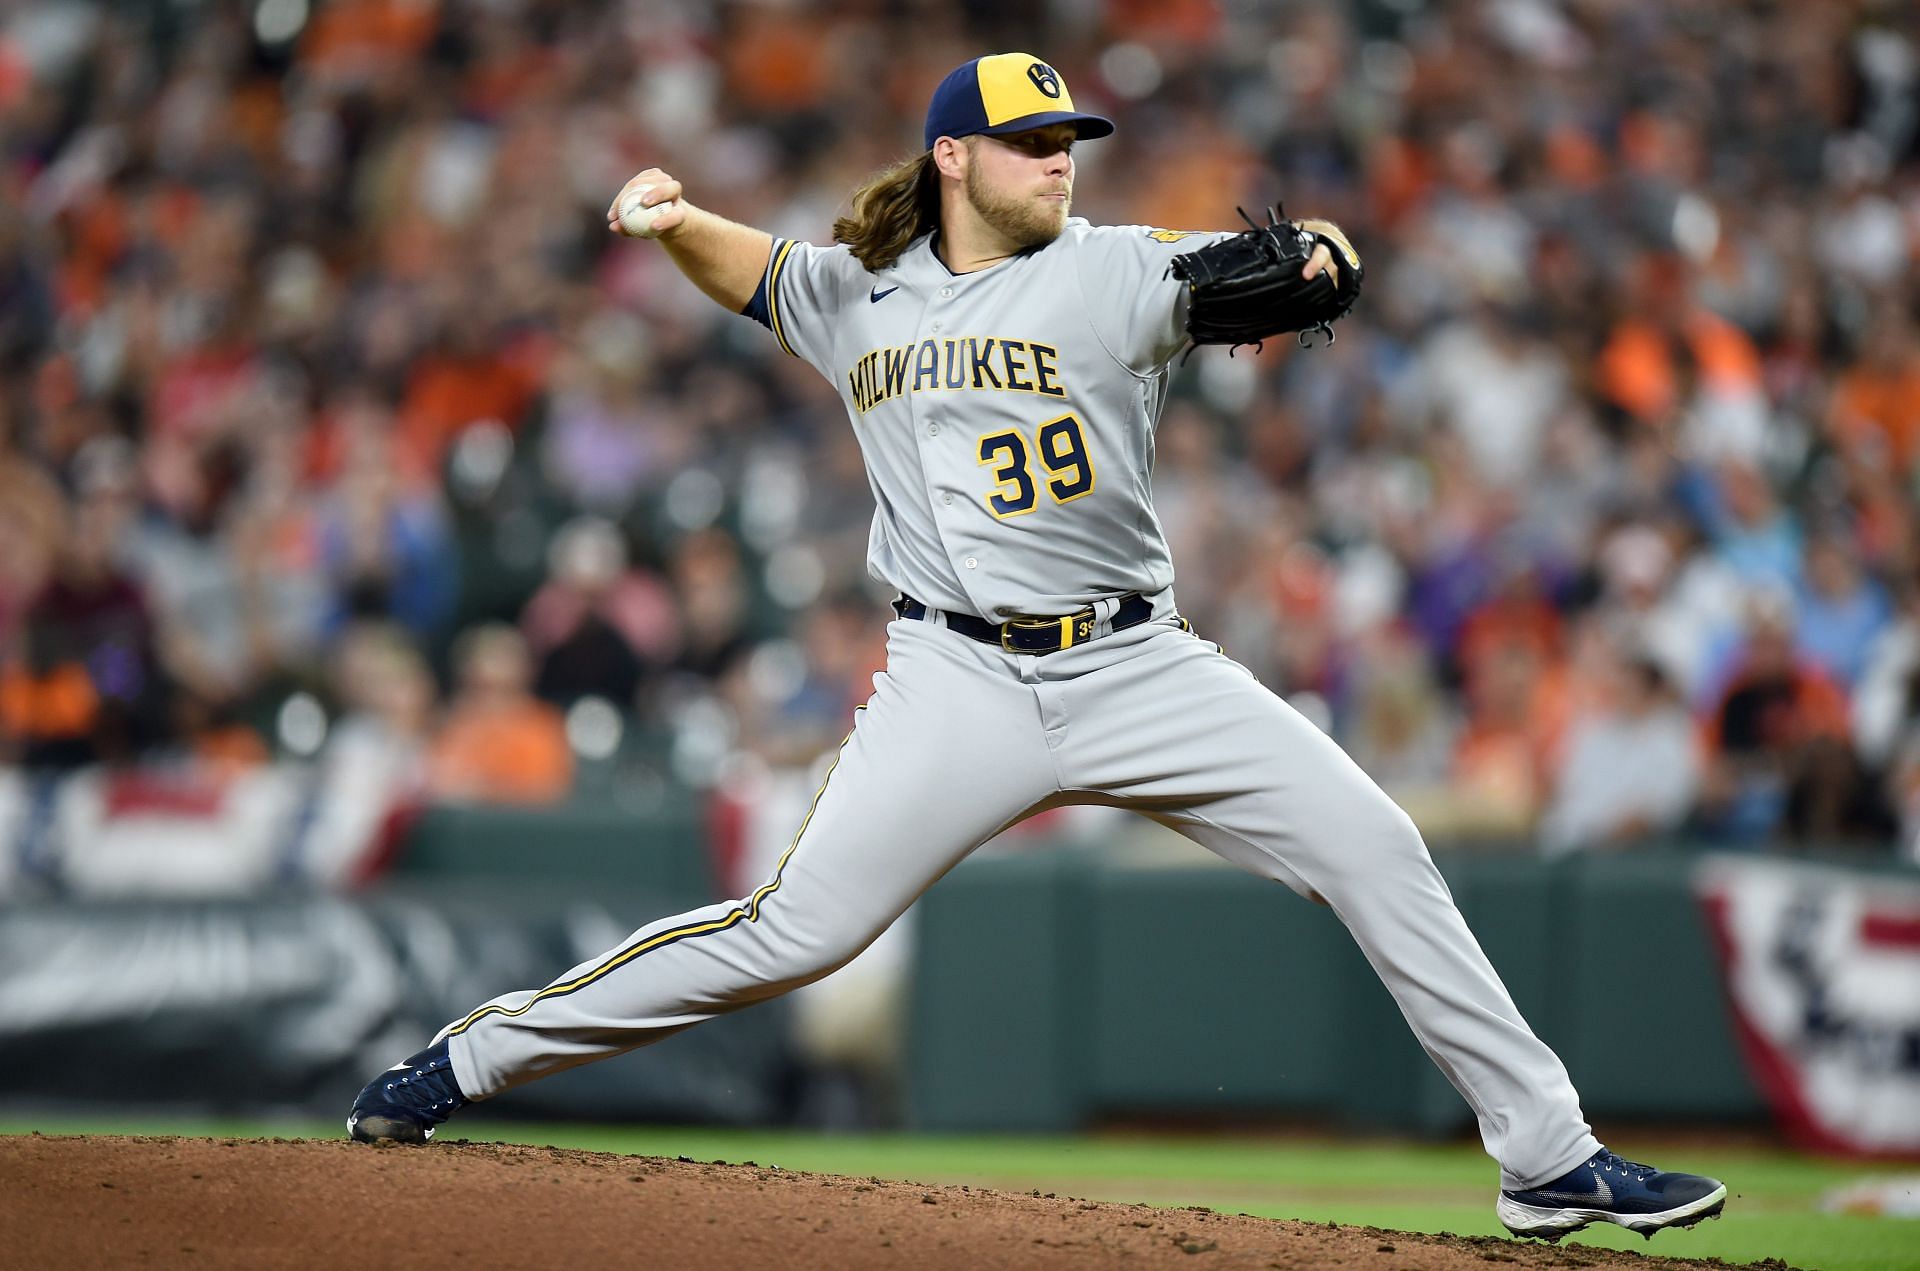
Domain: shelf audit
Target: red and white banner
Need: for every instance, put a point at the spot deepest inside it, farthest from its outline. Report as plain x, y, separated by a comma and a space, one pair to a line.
1822, 967
186, 830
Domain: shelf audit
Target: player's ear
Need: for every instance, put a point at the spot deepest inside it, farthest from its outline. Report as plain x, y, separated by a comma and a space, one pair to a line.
951, 158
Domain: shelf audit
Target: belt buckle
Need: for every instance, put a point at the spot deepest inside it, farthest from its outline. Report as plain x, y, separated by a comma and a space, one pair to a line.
1072, 628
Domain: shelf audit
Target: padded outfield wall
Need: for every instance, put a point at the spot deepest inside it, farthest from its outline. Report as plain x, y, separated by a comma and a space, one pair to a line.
1047, 988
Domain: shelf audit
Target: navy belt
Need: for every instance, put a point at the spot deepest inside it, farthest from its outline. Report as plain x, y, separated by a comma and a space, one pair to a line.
1034, 635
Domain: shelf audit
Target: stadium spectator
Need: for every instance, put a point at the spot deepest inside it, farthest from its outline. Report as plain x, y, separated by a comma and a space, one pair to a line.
1887, 697
386, 698
212, 611
1402, 726
32, 516
383, 535
464, 376
1876, 402
498, 743
1754, 536
1629, 770
1842, 610
598, 626
710, 579
1494, 381
1777, 740
1500, 759
84, 682
27, 299
607, 438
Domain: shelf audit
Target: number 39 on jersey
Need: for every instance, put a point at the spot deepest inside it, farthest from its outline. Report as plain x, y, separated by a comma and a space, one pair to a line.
1066, 467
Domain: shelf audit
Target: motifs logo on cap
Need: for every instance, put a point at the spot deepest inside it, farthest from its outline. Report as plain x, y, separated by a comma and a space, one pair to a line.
1005, 93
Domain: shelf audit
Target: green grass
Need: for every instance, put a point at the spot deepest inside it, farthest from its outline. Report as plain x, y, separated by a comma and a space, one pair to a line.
1773, 1211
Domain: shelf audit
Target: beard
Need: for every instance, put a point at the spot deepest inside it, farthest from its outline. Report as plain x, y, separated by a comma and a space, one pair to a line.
1026, 221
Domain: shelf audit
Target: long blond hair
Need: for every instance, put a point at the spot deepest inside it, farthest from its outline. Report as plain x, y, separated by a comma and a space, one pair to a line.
894, 207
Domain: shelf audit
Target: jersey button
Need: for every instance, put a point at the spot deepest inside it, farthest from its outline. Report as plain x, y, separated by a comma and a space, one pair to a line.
972, 563
947, 499
946, 292
933, 430
936, 326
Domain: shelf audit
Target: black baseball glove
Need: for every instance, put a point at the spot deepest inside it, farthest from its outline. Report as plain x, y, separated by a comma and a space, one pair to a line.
1247, 288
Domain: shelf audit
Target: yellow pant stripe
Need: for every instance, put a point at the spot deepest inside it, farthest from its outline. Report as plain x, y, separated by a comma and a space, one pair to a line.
750, 912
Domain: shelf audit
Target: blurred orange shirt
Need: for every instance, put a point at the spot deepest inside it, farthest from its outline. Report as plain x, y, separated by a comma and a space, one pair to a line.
1510, 623
507, 752
447, 393
1399, 176
777, 61
1811, 707
1636, 369
1187, 194
350, 32
1868, 402
96, 235
59, 703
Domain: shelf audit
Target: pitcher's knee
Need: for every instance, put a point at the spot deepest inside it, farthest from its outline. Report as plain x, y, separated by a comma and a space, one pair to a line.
1386, 833
805, 951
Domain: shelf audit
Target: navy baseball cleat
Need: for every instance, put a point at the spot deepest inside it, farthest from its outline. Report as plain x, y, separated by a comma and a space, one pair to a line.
1609, 1189
406, 1102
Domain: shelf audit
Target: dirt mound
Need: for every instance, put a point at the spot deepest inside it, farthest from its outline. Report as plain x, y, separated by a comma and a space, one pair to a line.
150, 1202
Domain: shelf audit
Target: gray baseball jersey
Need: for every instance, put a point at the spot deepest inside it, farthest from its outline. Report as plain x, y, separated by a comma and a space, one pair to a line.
1006, 415
1007, 420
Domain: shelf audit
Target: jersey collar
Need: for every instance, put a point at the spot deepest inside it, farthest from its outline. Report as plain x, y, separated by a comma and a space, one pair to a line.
930, 241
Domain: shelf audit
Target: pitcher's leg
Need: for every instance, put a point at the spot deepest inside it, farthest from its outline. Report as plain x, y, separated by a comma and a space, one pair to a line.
1249, 778
1406, 923
940, 760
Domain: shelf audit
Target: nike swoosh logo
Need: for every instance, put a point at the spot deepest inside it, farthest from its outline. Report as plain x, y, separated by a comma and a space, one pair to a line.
1602, 1194
878, 295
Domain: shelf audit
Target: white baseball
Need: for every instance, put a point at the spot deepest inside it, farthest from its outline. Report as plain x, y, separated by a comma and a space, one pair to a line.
636, 218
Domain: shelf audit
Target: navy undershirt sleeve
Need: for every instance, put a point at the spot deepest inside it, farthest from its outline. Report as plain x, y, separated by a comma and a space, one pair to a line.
757, 304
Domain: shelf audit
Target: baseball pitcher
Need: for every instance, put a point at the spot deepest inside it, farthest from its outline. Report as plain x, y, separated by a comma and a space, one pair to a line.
1003, 364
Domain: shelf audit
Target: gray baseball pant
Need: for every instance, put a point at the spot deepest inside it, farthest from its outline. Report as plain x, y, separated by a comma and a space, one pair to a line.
961, 740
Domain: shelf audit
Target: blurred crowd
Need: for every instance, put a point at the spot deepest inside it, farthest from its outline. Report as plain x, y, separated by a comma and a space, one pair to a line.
329, 408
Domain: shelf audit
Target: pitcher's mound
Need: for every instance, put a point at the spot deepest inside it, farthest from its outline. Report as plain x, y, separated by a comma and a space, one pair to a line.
254, 1203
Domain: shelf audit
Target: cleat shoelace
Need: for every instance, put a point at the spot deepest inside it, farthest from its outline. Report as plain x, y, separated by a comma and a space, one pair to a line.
1631, 1169
440, 1103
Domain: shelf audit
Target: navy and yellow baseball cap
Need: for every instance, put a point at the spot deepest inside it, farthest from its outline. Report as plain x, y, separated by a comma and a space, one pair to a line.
1007, 92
